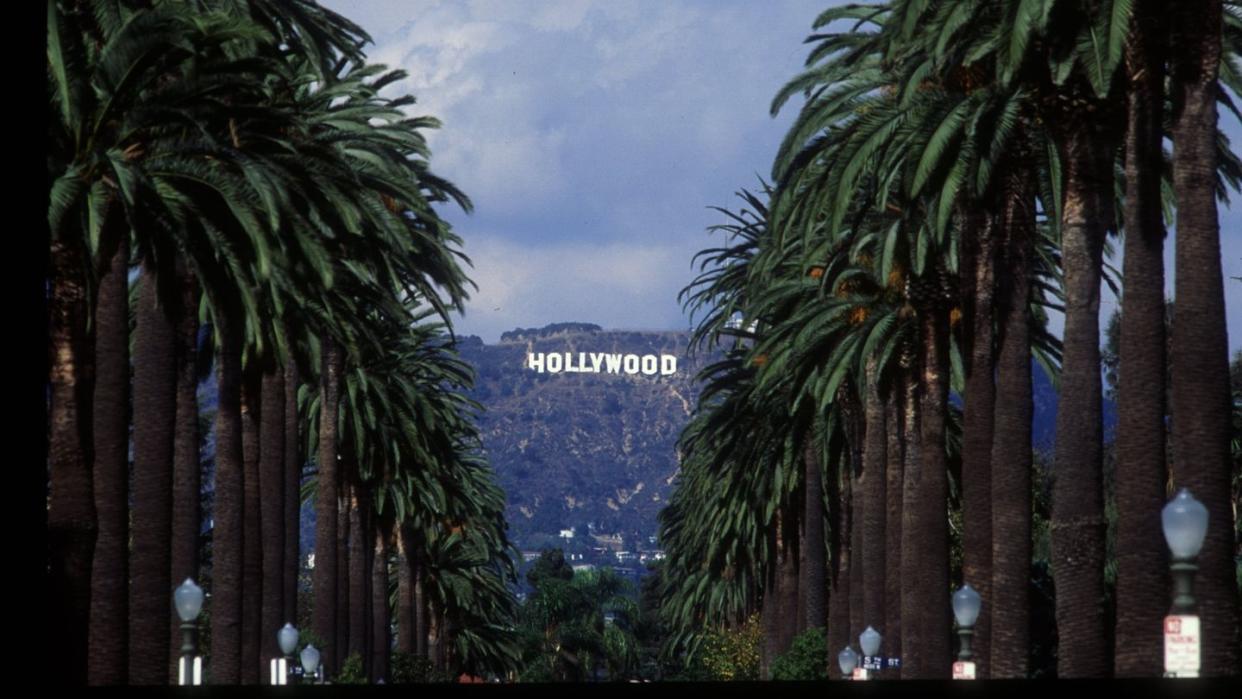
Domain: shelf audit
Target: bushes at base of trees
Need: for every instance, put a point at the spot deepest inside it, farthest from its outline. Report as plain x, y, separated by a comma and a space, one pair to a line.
807, 658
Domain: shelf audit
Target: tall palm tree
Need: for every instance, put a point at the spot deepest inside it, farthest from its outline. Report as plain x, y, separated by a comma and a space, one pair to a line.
155, 405
292, 514
272, 521
325, 572
187, 477
109, 577
1141, 473
1011, 439
978, 282
875, 503
1200, 373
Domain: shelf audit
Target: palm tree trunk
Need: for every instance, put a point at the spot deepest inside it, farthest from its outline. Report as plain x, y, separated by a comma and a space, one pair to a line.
405, 591
272, 509
71, 525
1078, 500
770, 613
155, 411
801, 582
815, 566
357, 572
1201, 394
839, 563
422, 620
252, 550
932, 530
324, 575
342, 557
435, 635
187, 477
380, 641
1011, 439
292, 491
1142, 580
895, 452
788, 589
227, 530
858, 555
913, 651
977, 424
109, 578
875, 507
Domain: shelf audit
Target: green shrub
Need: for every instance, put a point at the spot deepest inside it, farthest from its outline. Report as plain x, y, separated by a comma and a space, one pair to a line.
352, 672
408, 668
807, 658
734, 654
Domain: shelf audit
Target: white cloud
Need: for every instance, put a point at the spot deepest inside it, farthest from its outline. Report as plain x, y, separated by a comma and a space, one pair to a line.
619, 285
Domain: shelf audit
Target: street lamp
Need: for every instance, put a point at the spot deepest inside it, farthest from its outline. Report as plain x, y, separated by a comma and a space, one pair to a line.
188, 599
869, 641
310, 663
847, 659
966, 605
1185, 521
282, 668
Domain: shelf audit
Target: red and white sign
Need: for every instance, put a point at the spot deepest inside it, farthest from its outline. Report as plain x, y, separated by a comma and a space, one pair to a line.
860, 673
963, 670
1181, 646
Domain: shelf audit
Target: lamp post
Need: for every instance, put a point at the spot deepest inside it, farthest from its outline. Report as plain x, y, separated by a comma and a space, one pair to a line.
1185, 521
869, 641
847, 659
188, 598
282, 668
966, 605
310, 664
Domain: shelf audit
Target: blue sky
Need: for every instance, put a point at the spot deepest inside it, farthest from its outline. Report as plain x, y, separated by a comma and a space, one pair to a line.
592, 136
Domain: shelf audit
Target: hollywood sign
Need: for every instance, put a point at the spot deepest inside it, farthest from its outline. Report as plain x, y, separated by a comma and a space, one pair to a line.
601, 362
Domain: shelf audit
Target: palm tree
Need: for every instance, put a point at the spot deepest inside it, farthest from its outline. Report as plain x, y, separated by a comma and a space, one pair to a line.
187, 478
875, 501
325, 572
155, 405
292, 488
978, 283
272, 521
1011, 440
1142, 586
109, 579
1200, 373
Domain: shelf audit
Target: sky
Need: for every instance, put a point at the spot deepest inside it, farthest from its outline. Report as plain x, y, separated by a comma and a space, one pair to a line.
594, 135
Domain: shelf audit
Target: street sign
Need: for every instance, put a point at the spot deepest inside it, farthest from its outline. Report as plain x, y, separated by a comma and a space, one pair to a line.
892, 662
1181, 645
873, 663
963, 670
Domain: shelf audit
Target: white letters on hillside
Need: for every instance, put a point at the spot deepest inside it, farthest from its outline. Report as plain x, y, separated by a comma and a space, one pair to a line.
601, 362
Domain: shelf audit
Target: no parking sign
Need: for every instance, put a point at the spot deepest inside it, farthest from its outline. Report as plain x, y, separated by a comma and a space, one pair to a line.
1181, 645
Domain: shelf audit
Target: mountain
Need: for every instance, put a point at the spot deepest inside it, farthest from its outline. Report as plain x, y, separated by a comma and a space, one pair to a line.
594, 452
591, 452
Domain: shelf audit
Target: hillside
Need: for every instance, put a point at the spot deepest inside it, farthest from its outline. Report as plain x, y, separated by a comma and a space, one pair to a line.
592, 452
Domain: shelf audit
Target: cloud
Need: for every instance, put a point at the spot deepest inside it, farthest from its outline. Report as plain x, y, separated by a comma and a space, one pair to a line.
618, 285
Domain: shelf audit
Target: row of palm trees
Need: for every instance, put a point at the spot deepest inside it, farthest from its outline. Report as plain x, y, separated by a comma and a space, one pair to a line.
953, 176
228, 190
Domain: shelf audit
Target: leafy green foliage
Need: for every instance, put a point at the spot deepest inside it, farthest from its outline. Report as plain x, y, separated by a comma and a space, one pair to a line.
352, 671
407, 668
807, 658
733, 655
579, 627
